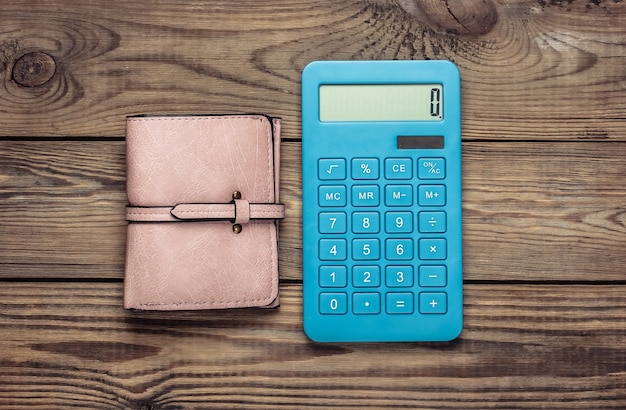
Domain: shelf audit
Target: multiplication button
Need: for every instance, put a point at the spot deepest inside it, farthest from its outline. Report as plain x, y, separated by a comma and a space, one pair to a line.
432, 249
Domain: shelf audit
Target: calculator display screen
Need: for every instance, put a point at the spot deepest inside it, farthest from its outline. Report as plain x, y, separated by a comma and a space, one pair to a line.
380, 102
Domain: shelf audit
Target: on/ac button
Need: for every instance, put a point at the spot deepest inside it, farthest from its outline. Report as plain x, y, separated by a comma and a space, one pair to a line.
431, 168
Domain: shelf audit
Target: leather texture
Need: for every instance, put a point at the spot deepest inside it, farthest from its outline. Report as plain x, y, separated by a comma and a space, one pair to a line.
182, 250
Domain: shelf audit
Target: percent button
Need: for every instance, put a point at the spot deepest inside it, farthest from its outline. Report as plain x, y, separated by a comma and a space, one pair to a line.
365, 168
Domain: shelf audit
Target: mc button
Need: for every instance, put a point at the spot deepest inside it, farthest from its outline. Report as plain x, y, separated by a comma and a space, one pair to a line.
332, 195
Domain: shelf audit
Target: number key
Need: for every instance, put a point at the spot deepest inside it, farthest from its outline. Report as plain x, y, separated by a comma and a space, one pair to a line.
332, 222
365, 222
365, 249
333, 249
366, 276
333, 276
399, 222
333, 303
399, 276
399, 249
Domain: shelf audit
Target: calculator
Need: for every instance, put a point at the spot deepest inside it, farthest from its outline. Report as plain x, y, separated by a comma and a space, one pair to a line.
381, 199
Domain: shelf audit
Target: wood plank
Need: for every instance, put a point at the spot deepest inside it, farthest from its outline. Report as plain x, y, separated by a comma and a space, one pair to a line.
522, 346
532, 211
530, 70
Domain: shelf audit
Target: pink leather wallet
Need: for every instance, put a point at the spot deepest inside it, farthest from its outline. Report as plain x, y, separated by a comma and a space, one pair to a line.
203, 211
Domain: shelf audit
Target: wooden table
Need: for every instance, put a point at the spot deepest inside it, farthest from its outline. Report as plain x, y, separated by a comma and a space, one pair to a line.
544, 157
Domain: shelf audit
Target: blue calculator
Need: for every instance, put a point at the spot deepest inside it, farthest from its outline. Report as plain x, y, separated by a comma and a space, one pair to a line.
381, 171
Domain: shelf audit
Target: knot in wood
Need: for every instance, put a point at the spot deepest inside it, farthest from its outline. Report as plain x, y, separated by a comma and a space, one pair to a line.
33, 69
459, 16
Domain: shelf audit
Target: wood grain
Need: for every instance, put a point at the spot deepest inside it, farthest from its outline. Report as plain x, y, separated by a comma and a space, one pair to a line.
533, 211
544, 215
532, 346
519, 60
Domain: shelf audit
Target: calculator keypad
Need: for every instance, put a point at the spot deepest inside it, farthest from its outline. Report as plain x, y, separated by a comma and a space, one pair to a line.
401, 272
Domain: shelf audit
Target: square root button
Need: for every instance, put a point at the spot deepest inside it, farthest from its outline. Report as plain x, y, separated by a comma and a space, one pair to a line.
331, 168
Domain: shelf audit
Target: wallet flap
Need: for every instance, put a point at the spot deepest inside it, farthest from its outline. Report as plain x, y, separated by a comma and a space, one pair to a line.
199, 159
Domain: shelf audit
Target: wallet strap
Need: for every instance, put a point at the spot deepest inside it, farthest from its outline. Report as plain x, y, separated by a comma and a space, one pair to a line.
239, 211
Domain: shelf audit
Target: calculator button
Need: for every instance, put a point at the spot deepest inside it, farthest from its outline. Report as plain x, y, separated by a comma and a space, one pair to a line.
399, 249
365, 168
431, 168
399, 276
432, 222
332, 222
365, 195
365, 222
433, 302
398, 168
366, 276
366, 303
400, 303
333, 168
333, 249
432, 276
333, 303
399, 195
432, 249
332, 195
333, 277
366, 249
398, 222
431, 195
